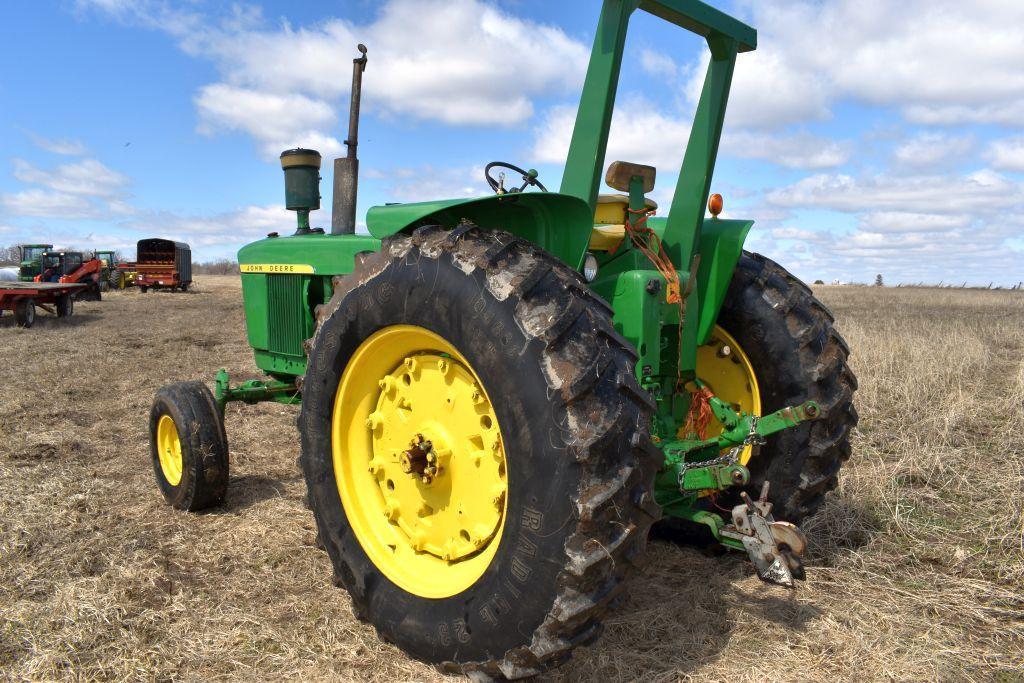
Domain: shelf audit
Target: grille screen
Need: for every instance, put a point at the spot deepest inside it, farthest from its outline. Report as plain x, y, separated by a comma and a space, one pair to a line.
285, 320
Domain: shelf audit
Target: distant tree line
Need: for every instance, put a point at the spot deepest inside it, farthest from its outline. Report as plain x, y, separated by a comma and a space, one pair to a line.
221, 267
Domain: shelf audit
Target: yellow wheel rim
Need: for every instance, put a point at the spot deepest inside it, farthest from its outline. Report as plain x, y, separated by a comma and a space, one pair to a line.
726, 369
419, 461
168, 447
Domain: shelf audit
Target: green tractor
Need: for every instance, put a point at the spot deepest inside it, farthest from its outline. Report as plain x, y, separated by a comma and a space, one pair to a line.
31, 256
110, 275
500, 395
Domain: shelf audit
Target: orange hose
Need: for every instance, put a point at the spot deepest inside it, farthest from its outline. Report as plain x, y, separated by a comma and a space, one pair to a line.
649, 244
699, 417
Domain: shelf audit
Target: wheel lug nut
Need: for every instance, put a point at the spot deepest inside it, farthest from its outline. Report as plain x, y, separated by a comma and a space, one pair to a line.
374, 420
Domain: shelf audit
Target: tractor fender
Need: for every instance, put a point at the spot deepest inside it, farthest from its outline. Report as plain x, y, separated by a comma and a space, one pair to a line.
558, 223
721, 245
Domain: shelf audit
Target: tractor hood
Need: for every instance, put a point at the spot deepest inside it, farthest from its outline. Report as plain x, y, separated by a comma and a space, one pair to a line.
559, 223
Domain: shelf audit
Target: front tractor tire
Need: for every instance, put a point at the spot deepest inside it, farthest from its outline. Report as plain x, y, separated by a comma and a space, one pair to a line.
478, 355
188, 446
788, 339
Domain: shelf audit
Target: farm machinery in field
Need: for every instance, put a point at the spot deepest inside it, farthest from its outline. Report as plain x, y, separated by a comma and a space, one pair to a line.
116, 274
72, 267
162, 264
31, 254
22, 298
500, 395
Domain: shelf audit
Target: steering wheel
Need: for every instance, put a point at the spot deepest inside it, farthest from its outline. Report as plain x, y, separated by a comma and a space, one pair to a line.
529, 178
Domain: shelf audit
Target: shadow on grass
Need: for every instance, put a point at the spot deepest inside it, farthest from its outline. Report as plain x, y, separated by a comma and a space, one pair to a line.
249, 490
47, 321
682, 609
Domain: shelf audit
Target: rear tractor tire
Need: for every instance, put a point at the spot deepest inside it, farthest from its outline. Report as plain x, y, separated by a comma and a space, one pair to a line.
117, 279
188, 446
775, 345
477, 451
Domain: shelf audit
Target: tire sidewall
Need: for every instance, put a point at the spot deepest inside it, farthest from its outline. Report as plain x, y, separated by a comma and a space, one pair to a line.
521, 580
178, 496
769, 333
204, 450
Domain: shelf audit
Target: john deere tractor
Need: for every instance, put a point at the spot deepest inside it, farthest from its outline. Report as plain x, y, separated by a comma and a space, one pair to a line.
31, 255
501, 394
111, 276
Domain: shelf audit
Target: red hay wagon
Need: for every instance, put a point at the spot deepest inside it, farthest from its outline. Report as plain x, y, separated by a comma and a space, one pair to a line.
24, 297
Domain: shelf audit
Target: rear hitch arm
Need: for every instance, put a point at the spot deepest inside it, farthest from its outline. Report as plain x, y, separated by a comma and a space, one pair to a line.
775, 547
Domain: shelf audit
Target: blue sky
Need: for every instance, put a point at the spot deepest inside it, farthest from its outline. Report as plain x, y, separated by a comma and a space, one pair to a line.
863, 136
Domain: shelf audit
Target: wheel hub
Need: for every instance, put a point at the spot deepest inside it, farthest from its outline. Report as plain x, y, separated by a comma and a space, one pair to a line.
437, 457
169, 450
727, 370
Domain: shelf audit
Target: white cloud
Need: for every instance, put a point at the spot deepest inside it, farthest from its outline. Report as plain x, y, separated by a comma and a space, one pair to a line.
1007, 154
279, 122
911, 228
939, 61
229, 229
88, 177
641, 133
461, 62
931, 149
78, 190
767, 91
427, 182
658, 64
981, 190
908, 221
1007, 114
60, 146
797, 234
48, 204
796, 150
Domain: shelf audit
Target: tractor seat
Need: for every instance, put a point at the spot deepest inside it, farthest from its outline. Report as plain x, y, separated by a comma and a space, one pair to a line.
610, 221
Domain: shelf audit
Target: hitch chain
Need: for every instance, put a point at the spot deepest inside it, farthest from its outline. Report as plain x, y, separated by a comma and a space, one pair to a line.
730, 458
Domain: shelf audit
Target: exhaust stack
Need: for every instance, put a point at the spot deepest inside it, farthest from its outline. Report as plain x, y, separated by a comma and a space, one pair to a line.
346, 169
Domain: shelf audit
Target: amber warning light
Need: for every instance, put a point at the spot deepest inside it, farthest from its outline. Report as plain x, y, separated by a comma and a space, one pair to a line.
715, 204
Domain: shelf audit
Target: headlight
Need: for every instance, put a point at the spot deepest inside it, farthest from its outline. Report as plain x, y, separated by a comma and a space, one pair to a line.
589, 267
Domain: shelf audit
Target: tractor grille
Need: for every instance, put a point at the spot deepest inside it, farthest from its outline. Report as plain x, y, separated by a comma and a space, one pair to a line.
285, 314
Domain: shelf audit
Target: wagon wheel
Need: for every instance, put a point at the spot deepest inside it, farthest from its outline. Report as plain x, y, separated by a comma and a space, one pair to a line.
25, 312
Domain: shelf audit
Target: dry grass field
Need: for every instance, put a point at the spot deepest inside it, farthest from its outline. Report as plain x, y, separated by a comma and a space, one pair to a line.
916, 569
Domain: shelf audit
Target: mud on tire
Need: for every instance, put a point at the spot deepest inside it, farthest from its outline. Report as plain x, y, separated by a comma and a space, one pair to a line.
576, 430
204, 446
797, 356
